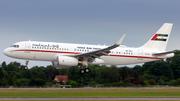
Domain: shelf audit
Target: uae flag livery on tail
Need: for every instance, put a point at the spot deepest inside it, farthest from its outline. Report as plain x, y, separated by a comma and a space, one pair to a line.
160, 37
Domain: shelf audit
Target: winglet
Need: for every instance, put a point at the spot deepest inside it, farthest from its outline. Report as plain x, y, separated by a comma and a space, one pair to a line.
120, 40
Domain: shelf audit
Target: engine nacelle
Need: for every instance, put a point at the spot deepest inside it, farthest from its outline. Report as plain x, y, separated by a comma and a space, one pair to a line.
67, 61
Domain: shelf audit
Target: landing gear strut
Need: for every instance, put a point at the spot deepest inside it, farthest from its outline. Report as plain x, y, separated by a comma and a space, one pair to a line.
26, 67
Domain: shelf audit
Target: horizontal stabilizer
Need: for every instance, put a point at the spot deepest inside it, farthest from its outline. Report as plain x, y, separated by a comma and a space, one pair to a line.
163, 53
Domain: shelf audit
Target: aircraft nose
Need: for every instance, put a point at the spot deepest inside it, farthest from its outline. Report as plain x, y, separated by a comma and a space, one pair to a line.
5, 52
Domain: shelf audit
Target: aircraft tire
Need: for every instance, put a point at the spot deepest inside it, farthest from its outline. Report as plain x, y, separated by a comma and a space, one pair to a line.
87, 70
26, 67
82, 71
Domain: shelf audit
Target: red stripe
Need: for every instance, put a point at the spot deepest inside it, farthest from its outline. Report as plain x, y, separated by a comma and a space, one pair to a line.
155, 36
49, 51
80, 53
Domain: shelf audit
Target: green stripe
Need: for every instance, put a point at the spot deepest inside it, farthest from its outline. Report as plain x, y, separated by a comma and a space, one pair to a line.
164, 35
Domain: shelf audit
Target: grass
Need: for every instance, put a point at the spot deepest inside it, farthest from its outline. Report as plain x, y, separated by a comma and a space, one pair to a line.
89, 92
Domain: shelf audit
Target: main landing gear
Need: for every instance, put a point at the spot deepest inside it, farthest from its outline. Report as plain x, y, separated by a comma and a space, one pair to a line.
86, 70
26, 67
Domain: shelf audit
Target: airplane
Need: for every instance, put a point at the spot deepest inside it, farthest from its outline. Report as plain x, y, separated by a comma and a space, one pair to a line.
67, 54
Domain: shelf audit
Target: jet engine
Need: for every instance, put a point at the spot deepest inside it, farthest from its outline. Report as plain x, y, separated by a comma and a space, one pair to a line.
67, 61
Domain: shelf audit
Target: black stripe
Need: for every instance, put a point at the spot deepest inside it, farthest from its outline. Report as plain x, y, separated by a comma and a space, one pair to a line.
160, 39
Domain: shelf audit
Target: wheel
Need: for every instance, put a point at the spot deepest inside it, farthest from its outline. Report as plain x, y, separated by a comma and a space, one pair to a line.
87, 70
82, 71
25, 67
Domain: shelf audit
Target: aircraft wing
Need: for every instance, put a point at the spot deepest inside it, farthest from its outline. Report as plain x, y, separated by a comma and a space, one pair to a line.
97, 53
163, 53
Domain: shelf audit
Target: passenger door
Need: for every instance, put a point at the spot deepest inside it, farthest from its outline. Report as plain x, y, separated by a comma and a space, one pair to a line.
27, 47
140, 54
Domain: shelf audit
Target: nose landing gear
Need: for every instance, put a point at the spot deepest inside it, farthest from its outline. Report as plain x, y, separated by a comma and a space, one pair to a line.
26, 67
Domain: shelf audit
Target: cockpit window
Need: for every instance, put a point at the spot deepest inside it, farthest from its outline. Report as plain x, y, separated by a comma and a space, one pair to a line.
15, 46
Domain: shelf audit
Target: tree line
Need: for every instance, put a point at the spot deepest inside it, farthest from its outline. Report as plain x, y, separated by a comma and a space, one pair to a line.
162, 72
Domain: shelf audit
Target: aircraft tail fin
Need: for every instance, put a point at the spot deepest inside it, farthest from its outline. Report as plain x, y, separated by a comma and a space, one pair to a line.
160, 39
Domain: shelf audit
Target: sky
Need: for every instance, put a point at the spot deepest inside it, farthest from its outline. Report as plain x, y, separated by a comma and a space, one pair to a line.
85, 22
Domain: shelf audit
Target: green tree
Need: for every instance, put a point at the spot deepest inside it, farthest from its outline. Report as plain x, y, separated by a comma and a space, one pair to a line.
174, 64
172, 83
178, 81
38, 72
10, 68
74, 74
50, 73
4, 64
124, 73
73, 83
63, 71
12, 79
27, 74
92, 83
23, 82
114, 75
104, 74
146, 76
2, 75
37, 82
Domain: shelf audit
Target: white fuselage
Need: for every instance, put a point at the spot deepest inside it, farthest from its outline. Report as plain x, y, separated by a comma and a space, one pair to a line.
48, 51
